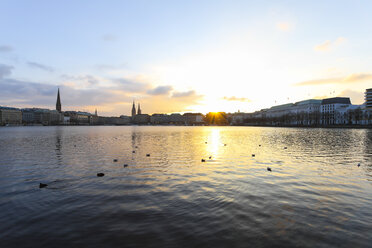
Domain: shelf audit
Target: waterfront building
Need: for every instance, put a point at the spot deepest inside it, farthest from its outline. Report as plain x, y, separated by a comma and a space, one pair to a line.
125, 119
368, 99
307, 112
239, 118
41, 116
117, 121
66, 120
141, 119
159, 119
176, 119
192, 119
304, 113
78, 117
333, 110
28, 116
11, 116
281, 114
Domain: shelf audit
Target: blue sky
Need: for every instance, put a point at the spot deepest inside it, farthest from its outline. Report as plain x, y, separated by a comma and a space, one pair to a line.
178, 56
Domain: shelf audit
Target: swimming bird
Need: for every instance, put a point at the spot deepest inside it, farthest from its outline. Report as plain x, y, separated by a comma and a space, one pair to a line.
358, 164
259, 145
268, 168
42, 185
133, 151
253, 155
136, 147
210, 157
100, 174
206, 142
224, 145
203, 160
125, 165
115, 160
148, 155
285, 147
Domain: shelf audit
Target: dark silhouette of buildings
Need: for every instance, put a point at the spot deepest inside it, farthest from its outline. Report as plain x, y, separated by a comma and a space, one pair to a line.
139, 109
133, 110
58, 104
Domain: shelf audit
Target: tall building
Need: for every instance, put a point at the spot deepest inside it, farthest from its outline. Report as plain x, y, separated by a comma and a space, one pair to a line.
58, 104
139, 109
133, 110
331, 109
10, 116
95, 113
368, 98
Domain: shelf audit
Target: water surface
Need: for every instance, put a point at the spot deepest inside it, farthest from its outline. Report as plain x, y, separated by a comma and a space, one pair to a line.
315, 196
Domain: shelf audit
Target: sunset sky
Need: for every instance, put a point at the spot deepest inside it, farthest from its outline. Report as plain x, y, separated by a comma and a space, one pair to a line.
181, 56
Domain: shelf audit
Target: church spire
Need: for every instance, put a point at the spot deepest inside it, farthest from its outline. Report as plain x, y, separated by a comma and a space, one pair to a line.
139, 109
133, 110
58, 104
95, 113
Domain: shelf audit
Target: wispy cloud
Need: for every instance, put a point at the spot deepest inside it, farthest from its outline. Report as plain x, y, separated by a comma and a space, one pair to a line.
328, 45
184, 94
352, 78
160, 90
238, 99
5, 48
5, 70
40, 66
131, 85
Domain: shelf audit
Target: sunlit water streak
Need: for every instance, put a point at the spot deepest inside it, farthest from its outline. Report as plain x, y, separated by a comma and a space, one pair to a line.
315, 196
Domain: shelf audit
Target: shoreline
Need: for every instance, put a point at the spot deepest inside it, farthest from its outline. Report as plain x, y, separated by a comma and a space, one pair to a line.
281, 126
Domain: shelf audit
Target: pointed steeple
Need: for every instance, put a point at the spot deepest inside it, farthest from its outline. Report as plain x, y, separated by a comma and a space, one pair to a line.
58, 104
133, 109
95, 113
139, 109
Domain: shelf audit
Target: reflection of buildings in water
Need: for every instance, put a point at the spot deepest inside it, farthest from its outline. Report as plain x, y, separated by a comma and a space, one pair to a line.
58, 135
368, 144
136, 137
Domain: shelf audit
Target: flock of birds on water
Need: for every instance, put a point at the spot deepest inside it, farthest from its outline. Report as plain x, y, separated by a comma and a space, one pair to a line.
43, 185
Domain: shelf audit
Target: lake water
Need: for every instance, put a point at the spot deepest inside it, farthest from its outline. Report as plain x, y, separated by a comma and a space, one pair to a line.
315, 195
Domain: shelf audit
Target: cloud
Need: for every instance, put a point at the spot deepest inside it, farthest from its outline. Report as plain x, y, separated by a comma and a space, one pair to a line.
5, 48
5, 70
81, 81
356, 97
23, 93
238, 99
284, 26
86, 92
40, 66
352, 78
184, 94
109, 37
176, 103
328, 45
160, 90
131, 85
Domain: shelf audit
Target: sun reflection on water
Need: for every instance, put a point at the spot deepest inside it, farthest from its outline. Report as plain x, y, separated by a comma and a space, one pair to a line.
214, 143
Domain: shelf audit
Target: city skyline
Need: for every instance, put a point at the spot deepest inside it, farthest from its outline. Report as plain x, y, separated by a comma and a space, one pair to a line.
182, 57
